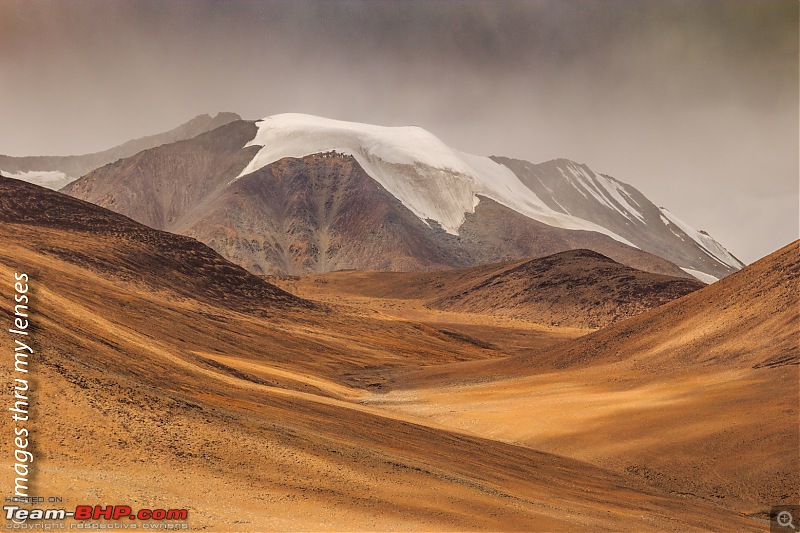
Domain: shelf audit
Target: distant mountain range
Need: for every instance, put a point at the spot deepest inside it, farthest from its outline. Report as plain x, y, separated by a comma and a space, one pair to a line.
138, 328
341, 400
54, 172
295, 193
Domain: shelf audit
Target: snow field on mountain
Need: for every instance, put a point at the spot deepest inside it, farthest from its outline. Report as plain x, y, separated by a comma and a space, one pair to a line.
702, 276
429, 178
52, 179
706, 242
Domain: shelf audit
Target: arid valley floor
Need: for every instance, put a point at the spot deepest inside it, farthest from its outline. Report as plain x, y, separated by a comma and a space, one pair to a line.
165, 376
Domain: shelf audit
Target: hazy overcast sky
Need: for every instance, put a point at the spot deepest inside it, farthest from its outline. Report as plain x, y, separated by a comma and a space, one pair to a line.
695, 102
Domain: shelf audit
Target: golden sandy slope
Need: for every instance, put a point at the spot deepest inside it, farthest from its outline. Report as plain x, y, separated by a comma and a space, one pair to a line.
697, 397
250, 407
405, 295
576, 288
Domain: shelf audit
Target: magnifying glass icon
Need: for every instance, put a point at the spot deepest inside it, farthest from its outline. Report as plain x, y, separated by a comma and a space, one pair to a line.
785, 519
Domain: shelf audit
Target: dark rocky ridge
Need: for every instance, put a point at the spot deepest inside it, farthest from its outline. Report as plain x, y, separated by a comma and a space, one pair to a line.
575, 288
118, 247
578, 288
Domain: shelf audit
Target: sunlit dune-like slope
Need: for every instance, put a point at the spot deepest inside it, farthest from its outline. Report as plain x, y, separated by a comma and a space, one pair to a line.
249, 406
699, 396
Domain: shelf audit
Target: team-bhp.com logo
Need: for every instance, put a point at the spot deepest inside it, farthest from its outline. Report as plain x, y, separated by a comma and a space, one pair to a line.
97, 512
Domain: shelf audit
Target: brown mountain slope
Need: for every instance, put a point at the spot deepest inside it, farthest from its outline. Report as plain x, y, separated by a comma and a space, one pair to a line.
750, 319
501, 234
578, 288
159, 187
573, 188
317, 213
75, 166
112, 244
148, 396
698, 396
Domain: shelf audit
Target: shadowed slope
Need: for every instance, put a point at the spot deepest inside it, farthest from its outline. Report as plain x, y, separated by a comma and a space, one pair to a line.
112, 244
578, 288
146, 395
698, 396
747, 320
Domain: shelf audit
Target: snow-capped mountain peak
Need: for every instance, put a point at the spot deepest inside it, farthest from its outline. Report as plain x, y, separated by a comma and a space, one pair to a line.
431, 179
707, 243
382, 206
